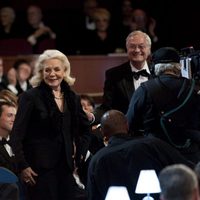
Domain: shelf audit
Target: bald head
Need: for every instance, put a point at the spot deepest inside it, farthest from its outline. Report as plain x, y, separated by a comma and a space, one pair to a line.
114, 122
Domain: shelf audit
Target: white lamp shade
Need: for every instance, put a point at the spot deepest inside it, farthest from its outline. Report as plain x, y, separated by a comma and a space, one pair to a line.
117, 193
147, 182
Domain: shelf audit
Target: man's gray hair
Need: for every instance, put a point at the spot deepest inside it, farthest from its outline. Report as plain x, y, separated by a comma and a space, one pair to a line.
161, 68
178, 182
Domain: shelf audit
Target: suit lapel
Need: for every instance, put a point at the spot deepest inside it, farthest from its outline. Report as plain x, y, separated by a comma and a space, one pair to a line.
4, 153
127, 82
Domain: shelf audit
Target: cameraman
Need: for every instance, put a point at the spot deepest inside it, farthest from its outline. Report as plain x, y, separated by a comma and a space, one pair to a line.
166, 106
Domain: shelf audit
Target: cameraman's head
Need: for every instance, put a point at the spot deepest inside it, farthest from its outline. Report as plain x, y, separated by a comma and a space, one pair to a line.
166, 61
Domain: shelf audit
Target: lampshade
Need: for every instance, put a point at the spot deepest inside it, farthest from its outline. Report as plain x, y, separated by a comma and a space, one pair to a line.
117, 193
147, 182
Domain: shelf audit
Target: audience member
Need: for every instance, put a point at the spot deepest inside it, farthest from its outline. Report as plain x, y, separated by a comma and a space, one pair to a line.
7, 158
120, 162
12, 80
36, 29
126, 12
7, 117
49, 121
87, 18
8, 26
3, 78
18, 77
23, 74
121, 21
167, 106
178, 182
141, 21
88, 105
7, 95
122, 81
101, 40
96, 142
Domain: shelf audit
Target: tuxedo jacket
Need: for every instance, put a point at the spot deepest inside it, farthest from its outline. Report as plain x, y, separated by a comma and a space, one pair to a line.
42, 136
119, 163
20, 90
7, 161
118, 90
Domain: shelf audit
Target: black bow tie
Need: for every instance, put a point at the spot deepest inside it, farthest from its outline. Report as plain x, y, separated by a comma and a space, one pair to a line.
4, 141
142, 72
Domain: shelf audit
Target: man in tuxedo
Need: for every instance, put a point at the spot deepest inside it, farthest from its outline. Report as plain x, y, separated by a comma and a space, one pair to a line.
122, 81
7, 158
120, 162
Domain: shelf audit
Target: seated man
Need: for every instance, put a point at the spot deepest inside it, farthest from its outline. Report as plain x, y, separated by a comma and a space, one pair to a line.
173, 181
7, 158
120, 162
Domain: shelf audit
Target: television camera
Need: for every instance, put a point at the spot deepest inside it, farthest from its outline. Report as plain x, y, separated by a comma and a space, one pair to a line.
190, 61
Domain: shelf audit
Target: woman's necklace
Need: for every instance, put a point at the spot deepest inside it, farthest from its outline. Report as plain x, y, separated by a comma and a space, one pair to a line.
58, 97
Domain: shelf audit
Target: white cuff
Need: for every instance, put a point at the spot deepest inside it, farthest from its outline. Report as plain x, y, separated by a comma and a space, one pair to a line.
32, 40
12, 88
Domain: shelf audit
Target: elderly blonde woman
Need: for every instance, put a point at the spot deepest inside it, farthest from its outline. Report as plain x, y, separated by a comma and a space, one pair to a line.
167, 106
49, 121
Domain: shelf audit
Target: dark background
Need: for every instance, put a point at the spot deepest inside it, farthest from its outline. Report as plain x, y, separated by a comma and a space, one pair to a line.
177, 21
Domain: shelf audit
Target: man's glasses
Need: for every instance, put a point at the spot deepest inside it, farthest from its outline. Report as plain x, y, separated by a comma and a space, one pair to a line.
139, 46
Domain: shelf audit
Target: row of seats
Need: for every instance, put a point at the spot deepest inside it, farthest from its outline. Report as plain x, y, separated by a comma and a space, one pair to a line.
12, 47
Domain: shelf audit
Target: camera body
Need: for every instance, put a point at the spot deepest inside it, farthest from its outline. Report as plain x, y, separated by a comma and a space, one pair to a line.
190, 62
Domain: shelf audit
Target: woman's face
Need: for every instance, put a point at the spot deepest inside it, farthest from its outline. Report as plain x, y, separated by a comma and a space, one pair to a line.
53, 73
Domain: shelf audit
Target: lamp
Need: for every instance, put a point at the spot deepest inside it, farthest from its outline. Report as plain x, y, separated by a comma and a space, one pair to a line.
117, 193
147, 183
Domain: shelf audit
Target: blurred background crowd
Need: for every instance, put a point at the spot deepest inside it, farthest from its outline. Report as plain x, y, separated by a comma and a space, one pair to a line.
89, 27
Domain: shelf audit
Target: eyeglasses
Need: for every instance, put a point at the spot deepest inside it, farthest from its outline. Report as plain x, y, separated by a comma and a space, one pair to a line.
139, 46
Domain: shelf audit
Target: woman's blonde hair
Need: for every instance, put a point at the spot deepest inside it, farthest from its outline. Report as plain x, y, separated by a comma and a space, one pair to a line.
39, 66
101, 13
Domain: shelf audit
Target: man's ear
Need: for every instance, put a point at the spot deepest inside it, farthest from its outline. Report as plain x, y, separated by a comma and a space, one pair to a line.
105, 140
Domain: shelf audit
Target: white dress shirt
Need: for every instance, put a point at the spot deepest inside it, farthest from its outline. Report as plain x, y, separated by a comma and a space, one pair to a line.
8, 147
141, 78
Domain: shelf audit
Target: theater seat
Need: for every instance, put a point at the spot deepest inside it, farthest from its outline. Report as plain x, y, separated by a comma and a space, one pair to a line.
9, 188
13, 47
7, 176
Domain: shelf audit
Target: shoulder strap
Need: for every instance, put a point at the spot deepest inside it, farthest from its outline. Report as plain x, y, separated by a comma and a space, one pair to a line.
156, 83
165, 115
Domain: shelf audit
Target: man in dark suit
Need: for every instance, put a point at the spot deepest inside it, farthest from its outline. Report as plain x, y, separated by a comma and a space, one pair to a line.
120, 162
123, 80
7, 158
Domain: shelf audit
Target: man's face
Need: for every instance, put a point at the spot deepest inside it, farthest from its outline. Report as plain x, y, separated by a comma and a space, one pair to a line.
7, 117
138, 50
